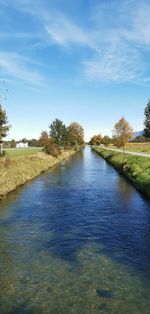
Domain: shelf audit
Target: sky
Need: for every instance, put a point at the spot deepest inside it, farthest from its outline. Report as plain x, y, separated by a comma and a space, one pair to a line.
76, 60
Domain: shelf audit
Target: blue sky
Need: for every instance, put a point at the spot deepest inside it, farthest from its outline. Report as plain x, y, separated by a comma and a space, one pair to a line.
85, 60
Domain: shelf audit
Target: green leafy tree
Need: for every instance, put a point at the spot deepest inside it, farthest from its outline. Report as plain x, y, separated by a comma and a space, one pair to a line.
122, 133
33, 142
59, 132
12, 143
147, 121
4, 127
76, 134
24, 140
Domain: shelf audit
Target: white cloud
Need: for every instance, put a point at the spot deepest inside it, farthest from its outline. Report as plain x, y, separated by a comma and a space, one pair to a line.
119, 62
19, 68
118, 36
123, 48
58, 27
64, 32
139, 31
119, 43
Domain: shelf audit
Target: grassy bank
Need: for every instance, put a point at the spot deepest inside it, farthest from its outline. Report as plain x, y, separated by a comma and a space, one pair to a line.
136, 147
136, 169
16, 171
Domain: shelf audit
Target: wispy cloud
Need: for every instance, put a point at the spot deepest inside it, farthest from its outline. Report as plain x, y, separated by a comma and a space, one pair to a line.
139, 28
19, 68
64, 32
122, 53
58, 28
119, 43
118, 63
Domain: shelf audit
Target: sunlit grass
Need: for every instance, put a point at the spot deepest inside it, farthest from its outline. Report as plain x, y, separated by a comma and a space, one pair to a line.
16, 170
20, 152
135, 168
136, 147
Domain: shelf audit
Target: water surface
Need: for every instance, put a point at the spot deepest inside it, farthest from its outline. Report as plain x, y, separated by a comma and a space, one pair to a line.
75, 240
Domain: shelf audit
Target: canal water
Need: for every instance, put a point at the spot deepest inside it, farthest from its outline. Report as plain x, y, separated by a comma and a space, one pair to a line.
75, 240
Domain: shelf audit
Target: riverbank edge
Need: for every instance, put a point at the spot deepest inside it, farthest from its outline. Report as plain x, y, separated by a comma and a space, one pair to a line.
133, 168
17, 172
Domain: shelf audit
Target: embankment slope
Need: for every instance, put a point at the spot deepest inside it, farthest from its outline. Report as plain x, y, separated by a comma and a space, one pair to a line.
136, 169
15, 172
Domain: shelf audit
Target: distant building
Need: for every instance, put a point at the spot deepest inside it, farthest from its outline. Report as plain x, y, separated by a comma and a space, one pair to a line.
22, 145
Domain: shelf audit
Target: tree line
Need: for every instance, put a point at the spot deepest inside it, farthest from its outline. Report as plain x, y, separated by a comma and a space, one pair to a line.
59, 136
123, 133
13, 143
62, 136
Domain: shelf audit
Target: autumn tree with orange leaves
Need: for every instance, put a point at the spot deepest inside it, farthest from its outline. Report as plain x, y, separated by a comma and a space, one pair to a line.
122, 133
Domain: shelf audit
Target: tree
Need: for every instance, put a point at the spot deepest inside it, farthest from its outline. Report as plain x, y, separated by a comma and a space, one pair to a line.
96, 140
4, 127
75, 134
12, 143
48, 144
52, 149
59, 132
24, 140
122, 133
140, 139
106, 140
147, 120
44, 139
33, 142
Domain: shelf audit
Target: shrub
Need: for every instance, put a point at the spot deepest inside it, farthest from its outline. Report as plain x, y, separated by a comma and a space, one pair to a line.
67, 147
52, 149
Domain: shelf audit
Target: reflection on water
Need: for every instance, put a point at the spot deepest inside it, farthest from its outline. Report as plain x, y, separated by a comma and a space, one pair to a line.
75, 240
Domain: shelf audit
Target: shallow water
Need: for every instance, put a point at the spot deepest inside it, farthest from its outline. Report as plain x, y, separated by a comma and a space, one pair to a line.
75, 240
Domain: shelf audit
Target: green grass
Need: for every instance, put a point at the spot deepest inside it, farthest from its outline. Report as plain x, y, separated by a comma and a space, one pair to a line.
22, 152
134, 168
136, 147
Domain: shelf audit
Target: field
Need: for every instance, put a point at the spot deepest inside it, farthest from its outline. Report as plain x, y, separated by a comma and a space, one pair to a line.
22, 152
136, 169
136, 147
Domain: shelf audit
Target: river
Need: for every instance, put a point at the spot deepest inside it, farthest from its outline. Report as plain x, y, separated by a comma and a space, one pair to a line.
75, 240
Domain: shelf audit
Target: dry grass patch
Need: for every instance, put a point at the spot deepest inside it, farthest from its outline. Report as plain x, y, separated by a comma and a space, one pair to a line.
16, 171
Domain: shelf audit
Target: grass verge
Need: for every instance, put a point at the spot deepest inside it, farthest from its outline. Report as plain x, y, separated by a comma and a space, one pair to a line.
136, 169
17, 171
136, 147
